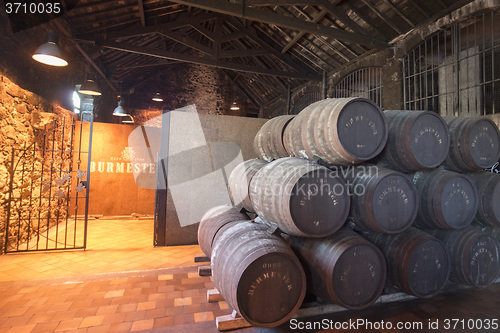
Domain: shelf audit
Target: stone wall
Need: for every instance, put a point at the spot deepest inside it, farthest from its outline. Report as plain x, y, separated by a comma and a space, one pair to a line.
208, 88
25, 119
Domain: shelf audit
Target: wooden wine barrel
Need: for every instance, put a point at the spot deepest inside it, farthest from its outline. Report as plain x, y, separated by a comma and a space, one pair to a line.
448, 200
258, 274
488, 193
268, 142
418, 264
475, 257
418, 140
383, 200
239, 182
342, 131
301, 197
212, 221
344, 267
474, 143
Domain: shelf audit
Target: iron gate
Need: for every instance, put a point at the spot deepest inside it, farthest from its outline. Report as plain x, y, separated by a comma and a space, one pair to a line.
47, 203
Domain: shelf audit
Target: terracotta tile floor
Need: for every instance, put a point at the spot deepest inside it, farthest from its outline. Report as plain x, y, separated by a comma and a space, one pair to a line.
112, 246
123, 284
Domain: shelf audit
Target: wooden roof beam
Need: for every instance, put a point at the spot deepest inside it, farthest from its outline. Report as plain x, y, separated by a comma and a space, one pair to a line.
382, 17
141, 12
400, 13
364, 18
301, 34
204, 61
224, 7
252, 34
340, 15
138, 30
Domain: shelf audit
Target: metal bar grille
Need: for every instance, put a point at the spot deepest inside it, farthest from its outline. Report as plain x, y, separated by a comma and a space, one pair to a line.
45, 189
455, 71
365, 82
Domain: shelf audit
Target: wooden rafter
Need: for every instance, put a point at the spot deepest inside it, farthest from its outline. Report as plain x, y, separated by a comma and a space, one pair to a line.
224, 7
141, 12
364, 18
400, 13
340, 15
382, 16
202, 61
301, 34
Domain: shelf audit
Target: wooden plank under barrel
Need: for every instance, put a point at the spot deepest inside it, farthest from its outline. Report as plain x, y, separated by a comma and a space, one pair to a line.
344, 267
418, 264
300, 197
258, 274
448, 200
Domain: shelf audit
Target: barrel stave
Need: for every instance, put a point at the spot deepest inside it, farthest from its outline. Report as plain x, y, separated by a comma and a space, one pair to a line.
258, 274
418, 264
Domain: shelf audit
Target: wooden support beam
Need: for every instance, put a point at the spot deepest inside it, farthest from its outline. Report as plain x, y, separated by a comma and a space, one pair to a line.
419, 8
243, 53
382, 17
97, 68
240, 88
301, 34
213, 295
203, 61
185, 40
141, 12
251, 33
255, 3
364, 18
137, 29
224, 7
341, 15
400, 13
204, 271
201, 258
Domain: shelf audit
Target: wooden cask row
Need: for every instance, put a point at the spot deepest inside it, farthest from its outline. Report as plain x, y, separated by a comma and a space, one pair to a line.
301, 197
212, 221
474, 143
239, 182
418, 140
448, 200
344, 267
268, 142
488, 193
342, 131
258, 274
383, 200
475, 257
418, 264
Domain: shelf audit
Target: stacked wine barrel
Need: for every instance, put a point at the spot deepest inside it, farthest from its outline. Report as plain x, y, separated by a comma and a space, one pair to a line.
353, 202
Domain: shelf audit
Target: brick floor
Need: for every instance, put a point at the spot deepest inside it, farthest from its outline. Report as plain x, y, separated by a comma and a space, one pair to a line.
104, 293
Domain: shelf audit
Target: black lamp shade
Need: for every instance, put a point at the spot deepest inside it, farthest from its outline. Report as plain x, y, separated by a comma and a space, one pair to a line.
49, 53
89, 87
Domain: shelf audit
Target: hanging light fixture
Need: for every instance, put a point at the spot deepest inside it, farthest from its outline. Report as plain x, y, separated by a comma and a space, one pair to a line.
129, 121
49, 53
90, 87
234, 107
120, 110
157, 97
